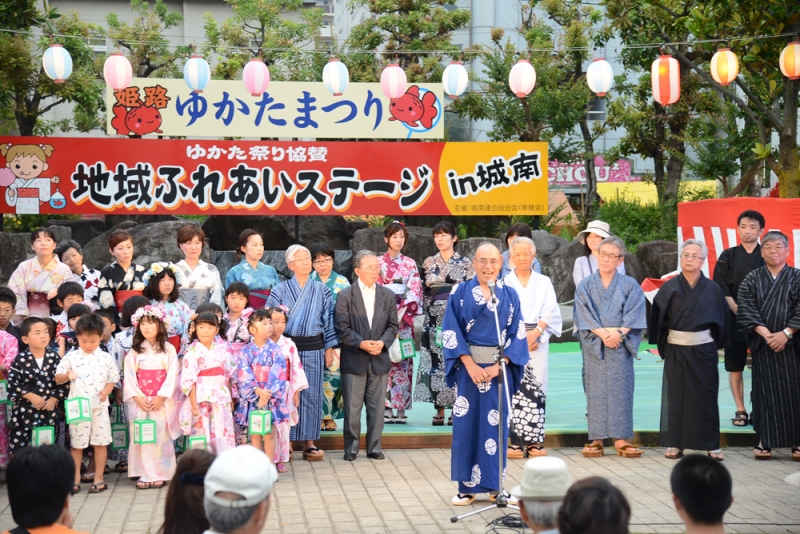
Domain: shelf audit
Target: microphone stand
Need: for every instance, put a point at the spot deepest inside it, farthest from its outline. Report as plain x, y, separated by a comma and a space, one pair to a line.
502, 384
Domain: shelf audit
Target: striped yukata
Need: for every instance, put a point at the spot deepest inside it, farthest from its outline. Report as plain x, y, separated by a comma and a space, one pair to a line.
310, 310
775, 304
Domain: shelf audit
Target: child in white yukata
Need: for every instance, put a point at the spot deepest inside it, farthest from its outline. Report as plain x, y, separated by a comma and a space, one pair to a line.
296, 382
207, 410
91, 374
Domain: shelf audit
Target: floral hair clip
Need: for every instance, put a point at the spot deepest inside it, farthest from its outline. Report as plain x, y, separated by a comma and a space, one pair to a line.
156, 312
284, 307
159, 267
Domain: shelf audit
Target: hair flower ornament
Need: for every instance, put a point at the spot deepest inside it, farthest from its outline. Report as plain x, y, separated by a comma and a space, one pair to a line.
156, 312
158, 268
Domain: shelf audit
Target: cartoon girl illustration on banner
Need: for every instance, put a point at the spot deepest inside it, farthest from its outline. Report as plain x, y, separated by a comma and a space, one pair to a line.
24, 166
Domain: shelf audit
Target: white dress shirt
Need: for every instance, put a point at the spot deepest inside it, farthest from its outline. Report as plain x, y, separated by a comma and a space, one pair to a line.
368, 294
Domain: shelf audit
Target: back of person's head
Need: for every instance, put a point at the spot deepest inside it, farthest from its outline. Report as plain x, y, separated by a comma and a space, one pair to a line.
39, 481
237, 484
183, 511
78, 310
106, 313
131, 306
90, 324
6, 295
704, 488
594, 506
69, 289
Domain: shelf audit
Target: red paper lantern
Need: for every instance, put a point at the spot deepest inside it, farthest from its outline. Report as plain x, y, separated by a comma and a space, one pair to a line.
665, 75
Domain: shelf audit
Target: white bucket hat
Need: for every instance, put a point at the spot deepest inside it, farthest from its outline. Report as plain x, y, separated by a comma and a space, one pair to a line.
595, 227
245, 471
543, 479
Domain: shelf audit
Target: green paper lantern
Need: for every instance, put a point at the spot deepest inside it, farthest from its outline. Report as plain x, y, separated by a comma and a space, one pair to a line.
196, 442
78, 410
407, 349
144, 431
43, 435
119, 436
260, 422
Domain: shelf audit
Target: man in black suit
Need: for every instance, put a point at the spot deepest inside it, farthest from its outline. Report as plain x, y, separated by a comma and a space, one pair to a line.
366, 323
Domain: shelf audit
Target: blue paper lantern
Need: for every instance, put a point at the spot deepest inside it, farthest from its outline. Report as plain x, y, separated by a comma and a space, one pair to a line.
57, 63
335, 77
455, 79
196, 73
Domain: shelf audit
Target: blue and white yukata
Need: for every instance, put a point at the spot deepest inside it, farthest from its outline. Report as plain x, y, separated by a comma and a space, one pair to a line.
310, 326
469, 321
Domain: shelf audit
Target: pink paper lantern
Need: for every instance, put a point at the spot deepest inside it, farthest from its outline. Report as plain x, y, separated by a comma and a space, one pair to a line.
256, 76
117, 71
393, 81
522, 78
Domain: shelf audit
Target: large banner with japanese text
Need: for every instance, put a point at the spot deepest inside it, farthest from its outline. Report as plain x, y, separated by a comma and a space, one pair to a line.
196, 177
165, 106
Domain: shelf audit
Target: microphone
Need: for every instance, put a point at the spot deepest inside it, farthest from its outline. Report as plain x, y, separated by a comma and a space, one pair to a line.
491, 285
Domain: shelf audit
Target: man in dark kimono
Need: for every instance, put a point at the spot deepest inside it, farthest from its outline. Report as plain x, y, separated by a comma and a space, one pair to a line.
688, 324
469, 339
732, 266
769, 309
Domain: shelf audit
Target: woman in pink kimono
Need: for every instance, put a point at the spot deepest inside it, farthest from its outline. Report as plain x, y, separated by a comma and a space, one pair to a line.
36, 281
297, 381
399, 273
205, 380
8, 352
151, 376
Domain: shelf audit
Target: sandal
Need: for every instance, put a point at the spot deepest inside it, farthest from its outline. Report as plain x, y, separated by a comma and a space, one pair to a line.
106, 470
76, 488
438, 420
328, 425
388, 419
630, 451
741, 419
593, 450
142, 485
121, 467
157, 484
450, 420
796, 454
98, 487
87, 477
716, 454
674, 453
515, 452
535, 450
401, 420
313, 454
463, 499
762, 453
281, 467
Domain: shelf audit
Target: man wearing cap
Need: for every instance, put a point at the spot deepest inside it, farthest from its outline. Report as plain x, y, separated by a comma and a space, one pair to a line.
237, 488
545, 482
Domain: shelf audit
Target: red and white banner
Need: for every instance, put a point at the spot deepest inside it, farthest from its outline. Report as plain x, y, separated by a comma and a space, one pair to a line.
714, 222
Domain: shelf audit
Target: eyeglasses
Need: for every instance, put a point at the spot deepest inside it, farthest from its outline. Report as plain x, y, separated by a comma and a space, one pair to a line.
301, 260
493, 263
607, 256
778, 248
323, 262
691, 257
370, 268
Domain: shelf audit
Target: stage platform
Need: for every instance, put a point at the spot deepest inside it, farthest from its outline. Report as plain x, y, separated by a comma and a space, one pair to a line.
566, 408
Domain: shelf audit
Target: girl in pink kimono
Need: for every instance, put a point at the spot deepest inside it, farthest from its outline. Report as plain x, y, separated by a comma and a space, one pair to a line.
151, 376
237, 335
8, 352
205, 380
296, 382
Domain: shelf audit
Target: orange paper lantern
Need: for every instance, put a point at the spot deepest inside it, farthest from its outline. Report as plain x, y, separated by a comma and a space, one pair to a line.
790, 61
724, 66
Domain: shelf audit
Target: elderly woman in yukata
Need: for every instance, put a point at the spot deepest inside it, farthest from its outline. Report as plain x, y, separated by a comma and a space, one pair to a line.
610, 317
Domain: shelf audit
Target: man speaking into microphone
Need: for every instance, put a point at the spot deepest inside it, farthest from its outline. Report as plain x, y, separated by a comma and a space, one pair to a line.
470, 343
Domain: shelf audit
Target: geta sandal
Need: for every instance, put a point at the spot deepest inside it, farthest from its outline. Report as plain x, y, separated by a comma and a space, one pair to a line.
535, 450
142, 485
450, 420
281, 467
313, 454
87, 477
796, 454
716, 454
401, 420
98, 487
630, 451
157, 484
463, 499
76, 488
121, 467
515, 452
593, 450
674, 453
740, 419
762, 453
438, 420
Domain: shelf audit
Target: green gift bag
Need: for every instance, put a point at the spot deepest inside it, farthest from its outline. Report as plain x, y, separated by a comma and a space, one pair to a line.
260, 422
144, 431
78, 410
196, 442
407, 349
43, 435
119, 436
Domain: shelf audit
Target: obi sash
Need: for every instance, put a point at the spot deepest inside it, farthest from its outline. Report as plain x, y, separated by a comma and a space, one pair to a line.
689, 339
38, 304
28, 192
151, 380
121, 295
308, 343
440, 291
236, 347
411, 311
194, 297
261, 373
212, 371
258, 298
175, 341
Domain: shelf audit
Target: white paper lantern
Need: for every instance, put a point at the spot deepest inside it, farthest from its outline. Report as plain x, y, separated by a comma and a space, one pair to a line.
57, 63
455, 79
600, 76
335, 76
196, 73
522, 78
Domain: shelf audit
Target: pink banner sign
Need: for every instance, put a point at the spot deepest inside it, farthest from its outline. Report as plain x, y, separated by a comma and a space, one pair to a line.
575, 173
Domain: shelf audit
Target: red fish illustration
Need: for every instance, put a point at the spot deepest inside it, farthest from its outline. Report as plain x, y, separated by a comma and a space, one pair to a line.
412, 110
141, 120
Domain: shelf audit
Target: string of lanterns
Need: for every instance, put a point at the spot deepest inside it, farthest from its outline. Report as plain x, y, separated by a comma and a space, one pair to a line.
664, 73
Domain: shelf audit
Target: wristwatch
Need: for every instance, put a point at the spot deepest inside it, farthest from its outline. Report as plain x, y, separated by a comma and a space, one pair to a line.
621, 334
787, 333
